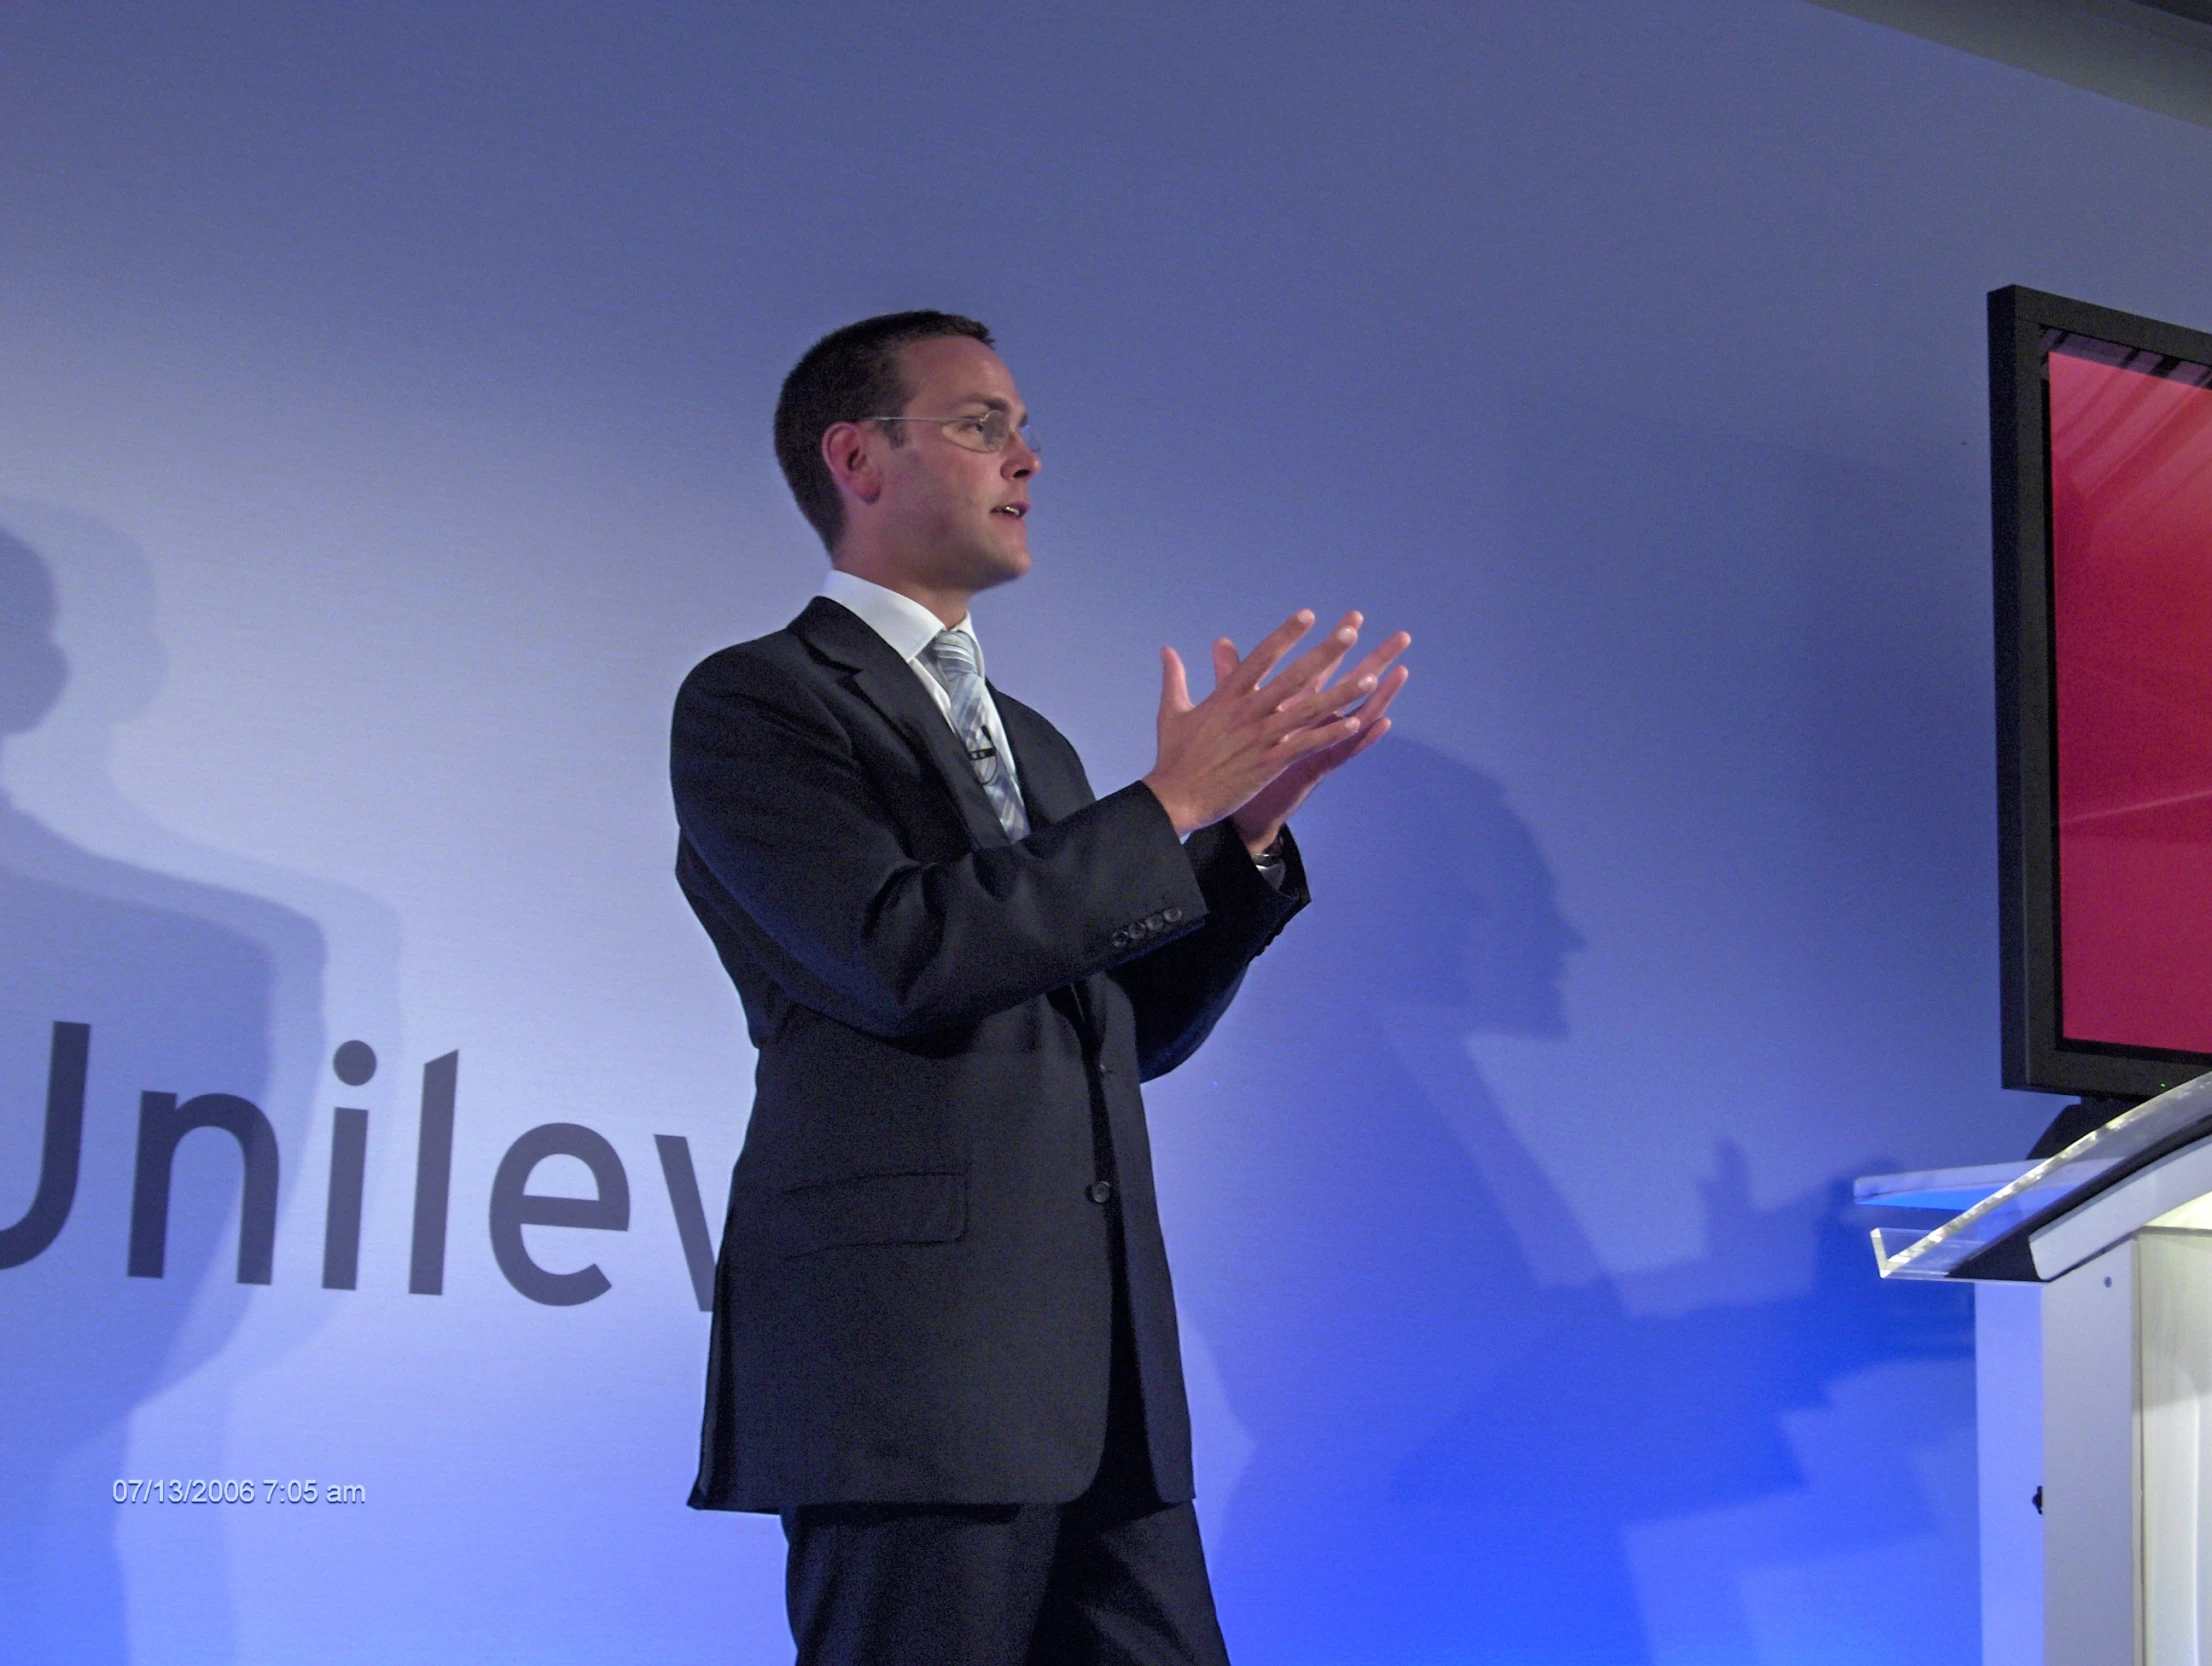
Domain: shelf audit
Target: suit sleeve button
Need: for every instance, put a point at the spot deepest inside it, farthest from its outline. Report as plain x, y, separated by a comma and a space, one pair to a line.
1100, 1190
1172, 915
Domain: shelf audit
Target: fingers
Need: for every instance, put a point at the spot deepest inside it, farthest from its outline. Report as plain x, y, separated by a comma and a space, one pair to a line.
1386, 691
1300, 697
1378, 661
1318, 737
1360, 684
1314, 667
1225, 660
1368, 672
1347, 750
1310, 674
1370, 715
1367, 737
1270, 650
1372, 711
1174, 685
1321, 704
1373, 723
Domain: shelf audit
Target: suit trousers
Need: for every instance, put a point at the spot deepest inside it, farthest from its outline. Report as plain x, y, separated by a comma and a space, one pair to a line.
1113, 1578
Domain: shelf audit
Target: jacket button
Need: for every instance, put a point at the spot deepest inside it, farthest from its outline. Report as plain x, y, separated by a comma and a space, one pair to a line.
1155, 922
1101, 1190
1172, 915
1119, 940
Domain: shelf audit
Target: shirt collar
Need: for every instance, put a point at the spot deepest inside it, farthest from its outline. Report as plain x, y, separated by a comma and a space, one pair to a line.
900, 620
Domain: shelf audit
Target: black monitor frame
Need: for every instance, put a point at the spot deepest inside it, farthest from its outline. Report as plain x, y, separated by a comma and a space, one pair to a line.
2036, 1055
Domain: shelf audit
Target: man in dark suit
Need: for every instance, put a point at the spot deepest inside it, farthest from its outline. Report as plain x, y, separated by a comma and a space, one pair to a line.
944, 1343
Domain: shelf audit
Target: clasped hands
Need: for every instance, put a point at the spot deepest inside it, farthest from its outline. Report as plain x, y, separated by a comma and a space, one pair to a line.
1255, 747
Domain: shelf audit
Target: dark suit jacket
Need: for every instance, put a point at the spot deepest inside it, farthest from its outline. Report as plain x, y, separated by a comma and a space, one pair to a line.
913, 1302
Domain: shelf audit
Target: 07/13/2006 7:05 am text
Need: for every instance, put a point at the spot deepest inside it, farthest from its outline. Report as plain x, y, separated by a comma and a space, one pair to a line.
238, 1492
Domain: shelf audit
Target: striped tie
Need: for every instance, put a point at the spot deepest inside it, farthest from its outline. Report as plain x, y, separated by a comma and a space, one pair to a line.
951, 658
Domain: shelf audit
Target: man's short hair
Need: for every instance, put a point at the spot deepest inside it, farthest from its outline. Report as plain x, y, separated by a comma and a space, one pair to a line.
849, 375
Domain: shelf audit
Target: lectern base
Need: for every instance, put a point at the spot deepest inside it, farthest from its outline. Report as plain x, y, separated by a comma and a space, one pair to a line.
2097, 1389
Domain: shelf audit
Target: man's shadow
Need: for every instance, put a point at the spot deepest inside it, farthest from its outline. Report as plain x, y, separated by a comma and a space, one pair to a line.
183, 986
1455, 1415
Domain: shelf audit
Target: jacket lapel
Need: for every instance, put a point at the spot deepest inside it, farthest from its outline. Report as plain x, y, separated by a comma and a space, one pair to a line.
887, 683
1053, 787
1049, 791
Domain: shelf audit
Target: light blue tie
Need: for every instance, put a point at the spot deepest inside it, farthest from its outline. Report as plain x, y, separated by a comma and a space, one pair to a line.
951, 659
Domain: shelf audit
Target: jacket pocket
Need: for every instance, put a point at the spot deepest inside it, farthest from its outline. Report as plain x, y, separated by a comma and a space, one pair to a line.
928, 1208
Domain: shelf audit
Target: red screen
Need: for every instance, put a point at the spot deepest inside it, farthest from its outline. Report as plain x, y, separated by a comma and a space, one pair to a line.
2131, 505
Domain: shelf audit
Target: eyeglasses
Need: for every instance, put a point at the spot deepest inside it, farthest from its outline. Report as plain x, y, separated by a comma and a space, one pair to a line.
991, 431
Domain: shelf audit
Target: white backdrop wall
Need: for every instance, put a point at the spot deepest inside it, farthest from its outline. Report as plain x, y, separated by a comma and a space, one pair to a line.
384, 434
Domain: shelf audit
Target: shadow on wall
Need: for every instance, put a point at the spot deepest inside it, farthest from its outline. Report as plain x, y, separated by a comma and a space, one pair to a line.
1455, 1415
181, 986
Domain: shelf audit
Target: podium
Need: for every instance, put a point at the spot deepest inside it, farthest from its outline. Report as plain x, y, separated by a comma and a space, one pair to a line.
2093, 1344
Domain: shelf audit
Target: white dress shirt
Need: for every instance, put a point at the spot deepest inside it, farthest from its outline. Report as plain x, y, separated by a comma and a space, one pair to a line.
909, 628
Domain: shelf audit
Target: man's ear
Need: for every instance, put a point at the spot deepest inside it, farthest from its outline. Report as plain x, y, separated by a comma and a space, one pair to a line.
850, 452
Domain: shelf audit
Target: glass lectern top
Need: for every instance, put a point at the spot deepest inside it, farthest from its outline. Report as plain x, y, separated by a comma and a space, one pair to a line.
2129, 1142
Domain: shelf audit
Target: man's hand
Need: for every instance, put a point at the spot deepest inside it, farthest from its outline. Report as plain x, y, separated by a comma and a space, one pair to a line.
1255, 743
1261, 819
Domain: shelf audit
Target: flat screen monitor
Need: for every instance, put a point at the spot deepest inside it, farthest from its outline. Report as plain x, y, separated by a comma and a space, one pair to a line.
2102, 470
